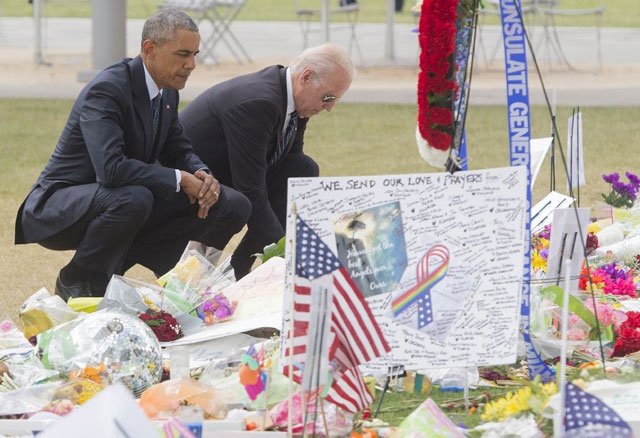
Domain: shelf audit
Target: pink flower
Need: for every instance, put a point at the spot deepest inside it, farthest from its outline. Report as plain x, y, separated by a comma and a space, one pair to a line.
606, 314
7, 325
620, 286
576, 334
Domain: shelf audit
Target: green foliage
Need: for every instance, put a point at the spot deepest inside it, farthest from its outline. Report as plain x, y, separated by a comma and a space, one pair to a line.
577, 307
272, 250
396, 406
556, 294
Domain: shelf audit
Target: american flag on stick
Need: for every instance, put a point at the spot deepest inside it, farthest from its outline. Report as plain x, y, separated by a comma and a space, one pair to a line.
588, 416
354, 336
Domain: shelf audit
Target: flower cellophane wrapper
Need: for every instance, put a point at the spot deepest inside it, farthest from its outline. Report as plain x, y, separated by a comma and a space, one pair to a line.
164, 399
195, 285
339, 423
117, 346
28, 400
11, 336
136, 297
546, 317
223, 375
629, 217
77, 391
524, 426
84, 304
42, 311
428, 420
25, 367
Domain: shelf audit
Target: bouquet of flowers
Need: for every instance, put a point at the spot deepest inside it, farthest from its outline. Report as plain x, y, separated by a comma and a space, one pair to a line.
628, 340
540, 249
196, 286
622, 195
610, 278
532, 398
162, 324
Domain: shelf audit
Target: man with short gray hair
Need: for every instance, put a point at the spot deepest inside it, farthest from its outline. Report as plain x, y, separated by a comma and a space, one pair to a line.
250, 130
123, 185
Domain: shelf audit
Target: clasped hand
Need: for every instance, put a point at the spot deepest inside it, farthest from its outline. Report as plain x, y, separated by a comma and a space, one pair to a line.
201, 187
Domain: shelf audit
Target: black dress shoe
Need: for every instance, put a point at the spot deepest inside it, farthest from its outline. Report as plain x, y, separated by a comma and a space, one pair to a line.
96, 289
73, 290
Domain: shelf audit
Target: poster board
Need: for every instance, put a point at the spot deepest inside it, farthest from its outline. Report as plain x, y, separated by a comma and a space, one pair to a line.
542, 212
458, 237
575, 152
567, 243
538, 148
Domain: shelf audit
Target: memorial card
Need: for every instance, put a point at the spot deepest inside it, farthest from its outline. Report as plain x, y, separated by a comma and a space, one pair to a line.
438, 257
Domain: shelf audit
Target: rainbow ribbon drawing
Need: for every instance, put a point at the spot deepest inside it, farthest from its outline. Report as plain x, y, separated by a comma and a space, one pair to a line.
425, 281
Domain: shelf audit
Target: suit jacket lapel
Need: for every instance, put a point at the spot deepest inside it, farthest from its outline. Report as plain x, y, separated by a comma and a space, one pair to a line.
142, 103
285, 97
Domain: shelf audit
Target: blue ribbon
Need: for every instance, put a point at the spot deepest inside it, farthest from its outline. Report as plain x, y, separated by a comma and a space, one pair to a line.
515, 60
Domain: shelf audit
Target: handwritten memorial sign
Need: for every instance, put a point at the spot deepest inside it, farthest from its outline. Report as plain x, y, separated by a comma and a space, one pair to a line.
437, 256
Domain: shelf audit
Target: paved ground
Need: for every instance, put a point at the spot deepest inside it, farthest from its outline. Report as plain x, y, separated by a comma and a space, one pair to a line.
67, 52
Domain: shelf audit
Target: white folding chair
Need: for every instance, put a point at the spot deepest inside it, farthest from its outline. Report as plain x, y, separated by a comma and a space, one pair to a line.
224, 13
307, 14
528, 8
219, 14
552, 40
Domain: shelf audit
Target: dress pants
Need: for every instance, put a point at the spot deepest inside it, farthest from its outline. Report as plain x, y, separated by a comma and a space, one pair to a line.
295, 165
125, 226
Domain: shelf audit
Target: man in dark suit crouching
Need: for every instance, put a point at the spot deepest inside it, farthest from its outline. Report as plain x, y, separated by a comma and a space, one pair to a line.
250, 130
123, 185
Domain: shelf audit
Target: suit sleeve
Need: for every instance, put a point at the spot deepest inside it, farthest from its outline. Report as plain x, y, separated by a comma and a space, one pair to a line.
248, 128
177, 150
101, 122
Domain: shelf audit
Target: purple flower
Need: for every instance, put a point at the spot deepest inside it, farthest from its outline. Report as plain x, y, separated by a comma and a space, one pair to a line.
633, 178
619, 187
622, 194
546, 232
612, 271
611, 177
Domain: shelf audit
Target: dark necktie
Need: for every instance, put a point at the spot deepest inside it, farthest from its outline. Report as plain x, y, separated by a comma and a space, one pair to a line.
287, 139
155, 112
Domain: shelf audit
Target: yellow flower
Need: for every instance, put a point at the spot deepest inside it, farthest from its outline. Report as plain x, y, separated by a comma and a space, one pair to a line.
538, 262
529, 398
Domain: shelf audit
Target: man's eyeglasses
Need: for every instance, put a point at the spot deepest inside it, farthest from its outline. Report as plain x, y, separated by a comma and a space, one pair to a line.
329, 98
326, 97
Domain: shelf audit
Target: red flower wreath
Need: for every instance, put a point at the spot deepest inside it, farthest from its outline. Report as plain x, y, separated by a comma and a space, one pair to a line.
436, 85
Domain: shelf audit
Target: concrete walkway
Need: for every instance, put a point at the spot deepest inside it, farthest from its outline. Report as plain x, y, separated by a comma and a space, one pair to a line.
67, 52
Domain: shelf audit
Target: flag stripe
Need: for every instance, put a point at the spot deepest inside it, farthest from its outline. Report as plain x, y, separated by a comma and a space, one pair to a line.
356, 337
362, 314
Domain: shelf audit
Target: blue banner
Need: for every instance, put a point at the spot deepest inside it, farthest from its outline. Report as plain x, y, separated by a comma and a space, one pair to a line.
462, 153
463, 46
518, 120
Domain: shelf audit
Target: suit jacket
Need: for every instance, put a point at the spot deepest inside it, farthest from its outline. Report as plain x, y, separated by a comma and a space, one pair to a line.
107, 141
234, 127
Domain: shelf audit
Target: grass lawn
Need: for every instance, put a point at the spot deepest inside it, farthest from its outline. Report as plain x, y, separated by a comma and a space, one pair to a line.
619, 13
355, 139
